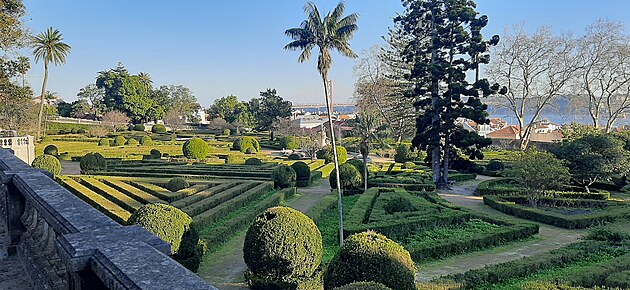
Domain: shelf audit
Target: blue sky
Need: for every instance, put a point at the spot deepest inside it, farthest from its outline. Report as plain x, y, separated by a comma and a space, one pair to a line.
218, 48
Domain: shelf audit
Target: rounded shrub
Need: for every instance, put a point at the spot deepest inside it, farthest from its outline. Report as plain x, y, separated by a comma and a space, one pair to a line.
119, 141
226, 132
364, 286
92, 162
138, 127
358, 164
250, 150
495, 165
370, 256
245, 142
402, 153
350, 177
132, 142
282, 247
176, 184
234, 159
289, 142
294, 156
146, 141
158, 128
283, 176
327, 154
253, 161
195, 148
104, 142
409, 165
155, 154
81, 131
302, 171
51, 150
47, 162
165, 221
626, 189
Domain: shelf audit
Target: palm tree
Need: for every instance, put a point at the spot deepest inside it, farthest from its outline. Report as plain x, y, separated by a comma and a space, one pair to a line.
145, 78
48, 46
333, 32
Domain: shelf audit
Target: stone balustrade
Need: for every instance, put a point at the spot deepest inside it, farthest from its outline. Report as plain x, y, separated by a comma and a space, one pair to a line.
67, 244
23, 147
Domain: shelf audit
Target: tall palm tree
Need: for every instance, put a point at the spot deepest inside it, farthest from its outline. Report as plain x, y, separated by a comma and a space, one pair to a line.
333, 32
49, 47
145, 78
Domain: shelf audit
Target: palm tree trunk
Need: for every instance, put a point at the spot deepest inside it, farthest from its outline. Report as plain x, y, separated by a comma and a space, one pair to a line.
41, 100
332, 139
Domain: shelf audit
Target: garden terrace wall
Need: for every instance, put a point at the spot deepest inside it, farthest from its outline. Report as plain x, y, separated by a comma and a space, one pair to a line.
67, 244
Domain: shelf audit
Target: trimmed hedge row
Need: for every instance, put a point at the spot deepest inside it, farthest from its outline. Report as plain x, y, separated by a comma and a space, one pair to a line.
217, 199
112, 194
462, 176
155, 190
408, 187
188, 200
132, 191
101, 203
497, 187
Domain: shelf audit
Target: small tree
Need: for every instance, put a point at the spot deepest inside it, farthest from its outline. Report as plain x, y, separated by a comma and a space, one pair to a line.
116, 119
538, 171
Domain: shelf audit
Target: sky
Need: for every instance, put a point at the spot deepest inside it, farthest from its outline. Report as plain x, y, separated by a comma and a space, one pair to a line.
220, 47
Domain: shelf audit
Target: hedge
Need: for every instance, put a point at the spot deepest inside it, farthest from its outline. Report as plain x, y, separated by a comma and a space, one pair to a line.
112, 194
47, 162
217, 199
462, 176
498, 187
107, 207
164, 221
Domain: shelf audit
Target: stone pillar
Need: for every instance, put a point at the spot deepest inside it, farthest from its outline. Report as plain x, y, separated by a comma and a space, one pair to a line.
13, 207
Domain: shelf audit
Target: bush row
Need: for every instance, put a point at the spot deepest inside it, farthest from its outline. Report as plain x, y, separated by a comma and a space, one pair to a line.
99, 202
504, 187
217, 199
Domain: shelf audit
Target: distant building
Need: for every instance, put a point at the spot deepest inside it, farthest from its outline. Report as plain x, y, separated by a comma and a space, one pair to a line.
201, 116
541, 135
482, 129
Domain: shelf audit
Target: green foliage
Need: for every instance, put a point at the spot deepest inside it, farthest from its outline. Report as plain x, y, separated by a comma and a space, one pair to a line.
253, 161
370, 256
138, 127
495, 165
51, 150
176, 184
289, 142
47, 162
363, 286
119, 141
155, 154
294, 156
576, 131
358, 164
158, 128
268, 108
402, 153
230, 109
409, 165
626, 189
283, 176
195, 148
537, 171
165, 221
282, 247
244, 143
250, 150
132, 141
327, 154
350, 177
226, 132
92, 162
302, 171
104, 142
146, 141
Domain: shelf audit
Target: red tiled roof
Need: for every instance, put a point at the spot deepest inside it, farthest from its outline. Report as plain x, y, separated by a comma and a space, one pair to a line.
509, 132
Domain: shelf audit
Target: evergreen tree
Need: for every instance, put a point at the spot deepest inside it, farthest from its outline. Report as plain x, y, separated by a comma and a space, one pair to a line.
444, 43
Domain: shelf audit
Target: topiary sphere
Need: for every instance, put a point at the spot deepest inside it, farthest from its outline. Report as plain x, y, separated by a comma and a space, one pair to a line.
159, 128
409, 165
294, 156
138, 127
364, 286
283, 176
402, 153
176, 184
327, 154
119, 141
253, 161
495, 165
146, 141
283, 245
245, 142
302, 171
47, 162
350, 177
51, 150
92, 162
104, 142
132, 142
370, 256
155, 154
165, 221
195, 148
358, 164
250, 150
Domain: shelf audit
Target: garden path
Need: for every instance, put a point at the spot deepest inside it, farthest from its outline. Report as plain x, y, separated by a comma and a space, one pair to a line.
548, 238
70, 168
225, 267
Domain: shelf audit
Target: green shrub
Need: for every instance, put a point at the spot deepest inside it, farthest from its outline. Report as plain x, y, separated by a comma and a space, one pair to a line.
282, 249
226, 132
294, 156
119, 141
146, 141
402, 153
233, 159
191, 250
409, 165
164, 221
245, 142
48, 162
176, 184
195, 148
159, 128
495, 165
250, 150
350, 177
253, 161
289, 142
283, 176
302, 171
327, 154
358, 164
138, 127
132, 141
92, 162
364, 286
370, 256
51, 150
81, 131
155, 154
626, 189
104, 142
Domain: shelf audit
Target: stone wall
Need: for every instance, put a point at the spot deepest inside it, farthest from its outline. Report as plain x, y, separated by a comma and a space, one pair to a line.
67, 244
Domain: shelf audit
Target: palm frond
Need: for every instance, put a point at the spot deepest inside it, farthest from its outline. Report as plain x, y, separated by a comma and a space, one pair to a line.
338, 11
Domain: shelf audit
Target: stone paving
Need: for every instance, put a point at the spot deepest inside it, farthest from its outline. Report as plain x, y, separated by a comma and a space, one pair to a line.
13, 275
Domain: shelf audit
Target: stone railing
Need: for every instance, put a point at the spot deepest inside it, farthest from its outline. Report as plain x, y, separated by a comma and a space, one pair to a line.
67, 244
23, 147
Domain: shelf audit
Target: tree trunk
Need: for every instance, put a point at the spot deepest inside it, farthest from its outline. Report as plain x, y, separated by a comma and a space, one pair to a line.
365, 151
446, 162
336, 161
41, 100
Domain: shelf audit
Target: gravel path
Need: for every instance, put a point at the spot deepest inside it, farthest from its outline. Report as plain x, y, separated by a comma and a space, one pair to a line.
70, 168
225, 267
549, 238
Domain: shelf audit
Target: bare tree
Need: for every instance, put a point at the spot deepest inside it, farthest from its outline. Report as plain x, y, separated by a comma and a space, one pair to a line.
98, 131
174, 119
116, 119
535, 69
